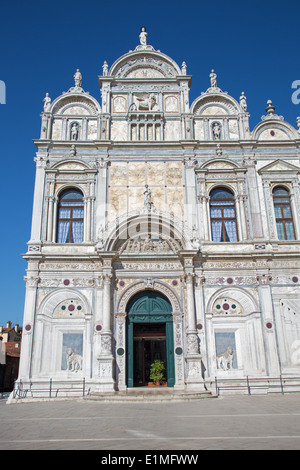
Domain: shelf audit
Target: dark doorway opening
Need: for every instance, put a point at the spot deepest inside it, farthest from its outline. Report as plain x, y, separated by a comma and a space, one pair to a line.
149, 344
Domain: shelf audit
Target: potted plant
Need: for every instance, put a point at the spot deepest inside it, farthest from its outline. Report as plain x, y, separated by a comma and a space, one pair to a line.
157, 370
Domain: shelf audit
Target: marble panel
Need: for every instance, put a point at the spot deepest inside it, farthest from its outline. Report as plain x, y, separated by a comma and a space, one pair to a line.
174, 172
214, 111
136, 174
117, 202
119, 131
56, 129
273, 134
233, 129
76, 111
135, 199
171, 104
118, 174
175, 204
92, 130
172, 130
119, 104
156, 172
199, 130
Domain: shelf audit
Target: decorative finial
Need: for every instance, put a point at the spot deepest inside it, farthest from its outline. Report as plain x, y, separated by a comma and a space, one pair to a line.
77, 78
72, 152
219, 151
270, 108
213, 79
143, 36
243, 101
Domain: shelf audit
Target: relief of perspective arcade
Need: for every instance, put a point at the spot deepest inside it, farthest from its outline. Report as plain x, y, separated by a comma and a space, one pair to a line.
148, 302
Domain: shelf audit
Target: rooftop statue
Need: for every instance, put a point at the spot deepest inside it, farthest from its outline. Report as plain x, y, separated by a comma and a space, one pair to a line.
143, 36
47, 103
77, 78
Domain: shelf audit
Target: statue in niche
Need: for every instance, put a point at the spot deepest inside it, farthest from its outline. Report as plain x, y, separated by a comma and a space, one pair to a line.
216, 128
77, 78
243, 102
213, 79
225, 359
143, 36
74, 131
47, 103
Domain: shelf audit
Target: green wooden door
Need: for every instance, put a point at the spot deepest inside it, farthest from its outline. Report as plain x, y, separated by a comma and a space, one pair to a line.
150, 307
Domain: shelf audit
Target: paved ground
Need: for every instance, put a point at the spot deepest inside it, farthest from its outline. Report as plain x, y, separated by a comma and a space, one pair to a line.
231, 422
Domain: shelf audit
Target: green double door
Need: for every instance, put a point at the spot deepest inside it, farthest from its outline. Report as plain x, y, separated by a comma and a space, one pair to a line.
149, 337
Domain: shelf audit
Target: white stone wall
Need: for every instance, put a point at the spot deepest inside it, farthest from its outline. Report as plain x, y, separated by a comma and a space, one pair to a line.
146, 133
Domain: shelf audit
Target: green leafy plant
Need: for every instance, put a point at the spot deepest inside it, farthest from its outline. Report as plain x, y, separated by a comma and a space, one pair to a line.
157, 370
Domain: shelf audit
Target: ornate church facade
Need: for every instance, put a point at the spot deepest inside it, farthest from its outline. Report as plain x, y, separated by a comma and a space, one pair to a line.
161, 229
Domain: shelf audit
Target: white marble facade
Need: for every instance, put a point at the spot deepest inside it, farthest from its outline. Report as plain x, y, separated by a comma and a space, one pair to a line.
146, 162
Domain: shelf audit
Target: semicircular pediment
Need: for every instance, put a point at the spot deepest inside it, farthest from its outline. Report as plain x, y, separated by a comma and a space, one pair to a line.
218, 164
146, 64
70, 165
76, 105
215, 105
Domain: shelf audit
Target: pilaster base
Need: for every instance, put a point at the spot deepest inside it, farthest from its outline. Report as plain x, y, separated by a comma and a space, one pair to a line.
194, 380
105, 381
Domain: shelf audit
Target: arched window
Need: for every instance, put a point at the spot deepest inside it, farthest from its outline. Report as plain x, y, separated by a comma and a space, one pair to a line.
70, 217
223, 216
283, 214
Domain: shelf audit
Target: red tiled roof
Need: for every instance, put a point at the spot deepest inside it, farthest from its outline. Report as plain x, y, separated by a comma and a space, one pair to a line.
12, 350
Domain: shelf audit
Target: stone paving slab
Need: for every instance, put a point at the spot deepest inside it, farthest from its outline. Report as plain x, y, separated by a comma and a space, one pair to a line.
237, 422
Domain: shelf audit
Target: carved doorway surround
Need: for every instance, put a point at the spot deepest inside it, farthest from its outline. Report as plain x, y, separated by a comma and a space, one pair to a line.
175, 326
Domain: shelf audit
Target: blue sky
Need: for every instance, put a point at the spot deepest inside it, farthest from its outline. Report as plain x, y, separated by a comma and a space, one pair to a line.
253, 46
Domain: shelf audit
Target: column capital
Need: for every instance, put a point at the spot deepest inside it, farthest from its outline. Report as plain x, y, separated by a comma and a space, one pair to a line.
121, 317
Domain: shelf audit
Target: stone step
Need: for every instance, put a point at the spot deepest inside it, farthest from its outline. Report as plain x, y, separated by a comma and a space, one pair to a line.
149, 394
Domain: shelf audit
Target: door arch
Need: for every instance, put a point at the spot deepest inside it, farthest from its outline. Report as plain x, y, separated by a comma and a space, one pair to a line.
149, 332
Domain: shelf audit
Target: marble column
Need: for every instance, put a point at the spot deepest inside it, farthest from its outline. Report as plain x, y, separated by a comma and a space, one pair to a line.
29, 320
268, 324
194, 378
38, 201
121, 350
178, 348
106, 360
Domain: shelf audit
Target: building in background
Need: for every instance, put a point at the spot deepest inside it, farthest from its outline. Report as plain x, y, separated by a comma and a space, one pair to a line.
10, 349
161, 229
